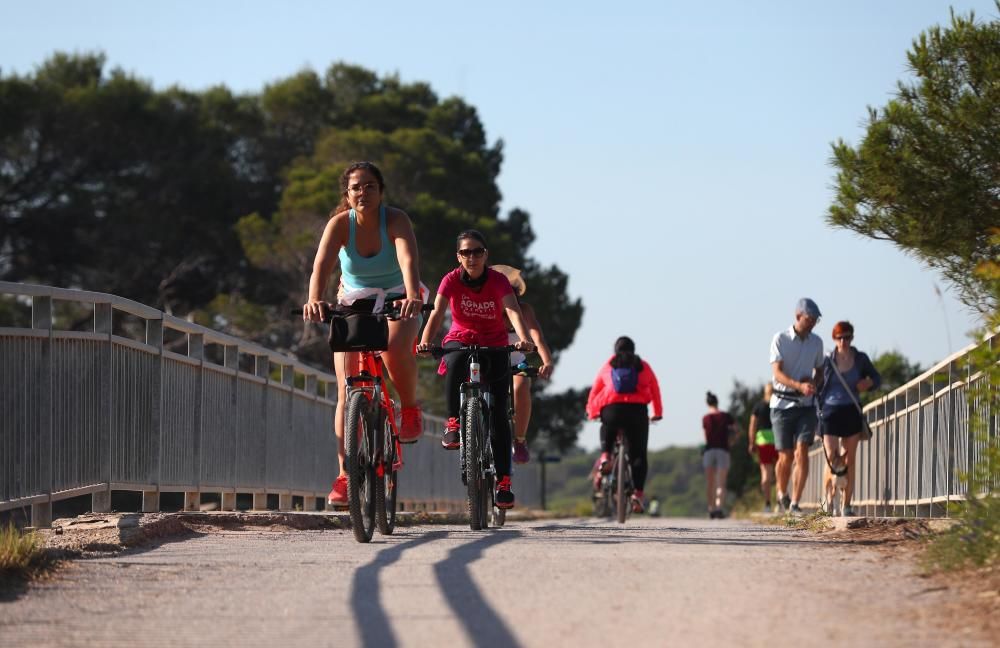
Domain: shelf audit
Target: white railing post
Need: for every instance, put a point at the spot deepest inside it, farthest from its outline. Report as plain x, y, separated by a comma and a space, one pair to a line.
196, 350
41, 318
262, 369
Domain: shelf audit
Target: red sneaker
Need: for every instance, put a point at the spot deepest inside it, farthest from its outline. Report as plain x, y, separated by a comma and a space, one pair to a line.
412, 426
338, 495
450, 439
504, 498
637, 505
521, 455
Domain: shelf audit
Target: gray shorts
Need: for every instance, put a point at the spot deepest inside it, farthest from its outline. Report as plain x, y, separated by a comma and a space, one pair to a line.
791, 426
715, 458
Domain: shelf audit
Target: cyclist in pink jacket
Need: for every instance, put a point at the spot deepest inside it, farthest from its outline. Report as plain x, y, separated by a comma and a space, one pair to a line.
624, 387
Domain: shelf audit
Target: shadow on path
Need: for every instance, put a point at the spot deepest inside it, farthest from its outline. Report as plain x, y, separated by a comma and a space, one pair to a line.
373, 622
482, 623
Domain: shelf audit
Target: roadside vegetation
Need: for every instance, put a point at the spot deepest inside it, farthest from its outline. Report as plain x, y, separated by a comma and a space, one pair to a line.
21, 554
924, 178
975, 540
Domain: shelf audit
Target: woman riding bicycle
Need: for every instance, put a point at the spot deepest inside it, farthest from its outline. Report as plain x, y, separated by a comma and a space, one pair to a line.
479, 297
624, 387
377, 251
522, 383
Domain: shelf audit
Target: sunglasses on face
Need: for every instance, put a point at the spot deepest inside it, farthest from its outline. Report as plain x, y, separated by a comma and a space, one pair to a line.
472, 252
845, 337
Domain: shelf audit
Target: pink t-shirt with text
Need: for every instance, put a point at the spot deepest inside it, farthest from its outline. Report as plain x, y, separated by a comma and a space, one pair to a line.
476, 317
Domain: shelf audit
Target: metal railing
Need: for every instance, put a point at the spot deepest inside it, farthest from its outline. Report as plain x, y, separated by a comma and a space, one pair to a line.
921, 443
95, 411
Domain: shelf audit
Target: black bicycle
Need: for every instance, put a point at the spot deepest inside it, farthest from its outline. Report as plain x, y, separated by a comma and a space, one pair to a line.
614, 497
478, 467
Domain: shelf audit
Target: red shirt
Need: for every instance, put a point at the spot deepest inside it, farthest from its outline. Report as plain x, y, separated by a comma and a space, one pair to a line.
603, 391
716, 427
476, 317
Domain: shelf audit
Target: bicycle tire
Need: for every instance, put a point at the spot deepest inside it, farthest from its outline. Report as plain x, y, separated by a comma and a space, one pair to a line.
602, 504
473, 447
360, 468
620, 486
387, 486
486, 500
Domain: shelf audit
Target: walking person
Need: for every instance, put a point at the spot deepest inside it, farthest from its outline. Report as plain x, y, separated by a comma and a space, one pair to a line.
377, 253
619, 397
796, 361
720, 432
760, 438
846, 373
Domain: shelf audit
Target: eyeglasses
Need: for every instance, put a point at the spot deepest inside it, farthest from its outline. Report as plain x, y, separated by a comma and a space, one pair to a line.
358, 188
472, 252
845, 337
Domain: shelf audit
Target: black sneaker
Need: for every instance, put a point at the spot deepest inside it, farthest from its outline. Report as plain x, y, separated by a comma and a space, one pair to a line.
786, 502
795, 510
450, 440
504, 498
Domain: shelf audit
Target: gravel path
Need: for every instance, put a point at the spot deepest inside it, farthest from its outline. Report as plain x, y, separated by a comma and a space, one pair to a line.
547, 583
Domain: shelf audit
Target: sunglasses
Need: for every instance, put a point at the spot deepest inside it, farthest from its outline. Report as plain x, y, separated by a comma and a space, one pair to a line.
472, 252
844, 337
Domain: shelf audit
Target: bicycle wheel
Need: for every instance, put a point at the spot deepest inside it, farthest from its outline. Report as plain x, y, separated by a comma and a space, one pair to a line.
387, 485
358, 441
603, 503
486, 500
473, 446
620, 501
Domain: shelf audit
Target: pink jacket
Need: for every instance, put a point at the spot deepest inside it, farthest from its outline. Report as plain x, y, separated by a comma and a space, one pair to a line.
603, 392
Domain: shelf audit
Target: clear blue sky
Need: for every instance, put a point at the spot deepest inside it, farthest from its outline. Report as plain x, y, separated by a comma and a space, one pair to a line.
674, 156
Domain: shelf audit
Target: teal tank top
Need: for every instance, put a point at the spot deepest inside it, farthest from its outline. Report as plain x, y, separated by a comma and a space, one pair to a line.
379, 271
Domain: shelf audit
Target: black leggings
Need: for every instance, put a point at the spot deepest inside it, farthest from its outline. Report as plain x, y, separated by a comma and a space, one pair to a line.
633, 418
495, 369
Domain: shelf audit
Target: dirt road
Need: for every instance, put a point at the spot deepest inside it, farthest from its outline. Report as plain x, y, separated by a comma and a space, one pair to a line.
573, 583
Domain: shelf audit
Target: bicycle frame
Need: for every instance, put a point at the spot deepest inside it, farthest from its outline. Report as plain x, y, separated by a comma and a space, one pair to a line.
619, 487
368, 377
476, 404
474, 388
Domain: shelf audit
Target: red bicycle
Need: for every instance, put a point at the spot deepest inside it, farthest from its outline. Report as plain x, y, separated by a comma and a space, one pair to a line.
374, 454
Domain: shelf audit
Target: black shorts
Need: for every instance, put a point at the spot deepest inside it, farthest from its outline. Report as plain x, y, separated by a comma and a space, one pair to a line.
841, 422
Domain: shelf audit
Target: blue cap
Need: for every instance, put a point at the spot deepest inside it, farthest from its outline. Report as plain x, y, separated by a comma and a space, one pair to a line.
808, 308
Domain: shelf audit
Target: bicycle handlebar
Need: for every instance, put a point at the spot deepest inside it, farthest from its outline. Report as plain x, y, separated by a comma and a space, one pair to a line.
388, 310
439, 351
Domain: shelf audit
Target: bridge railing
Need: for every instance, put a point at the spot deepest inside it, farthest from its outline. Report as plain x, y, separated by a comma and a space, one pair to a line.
171, 407
921, 443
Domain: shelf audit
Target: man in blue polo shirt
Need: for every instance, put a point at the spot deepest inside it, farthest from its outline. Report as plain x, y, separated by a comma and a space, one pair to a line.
797, 368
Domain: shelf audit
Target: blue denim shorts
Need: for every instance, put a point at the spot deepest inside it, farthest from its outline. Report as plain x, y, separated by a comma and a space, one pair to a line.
792, 426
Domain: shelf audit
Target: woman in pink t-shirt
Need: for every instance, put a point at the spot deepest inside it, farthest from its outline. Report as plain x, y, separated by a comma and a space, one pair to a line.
478, 298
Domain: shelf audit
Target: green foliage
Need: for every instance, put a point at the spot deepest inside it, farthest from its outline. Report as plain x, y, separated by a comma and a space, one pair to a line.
211, 205
556, 418
743, 471
975, 540
925, 175
895, 369
675, 478
20, 553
